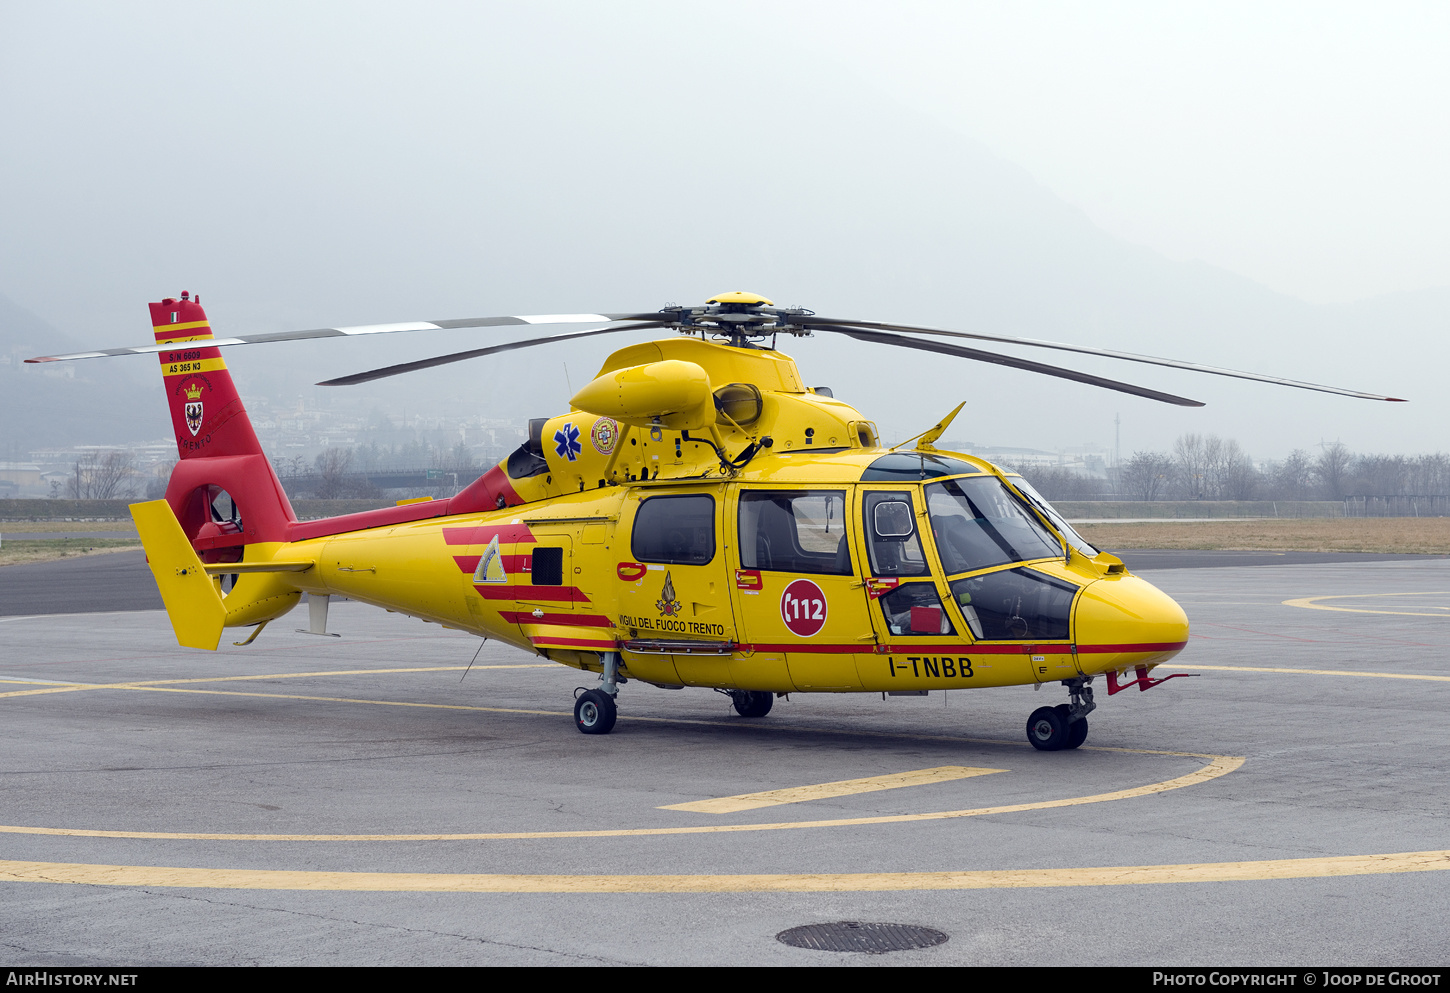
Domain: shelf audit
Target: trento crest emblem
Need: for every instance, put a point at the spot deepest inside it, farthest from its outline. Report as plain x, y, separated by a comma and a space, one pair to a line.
566, 442
193, 409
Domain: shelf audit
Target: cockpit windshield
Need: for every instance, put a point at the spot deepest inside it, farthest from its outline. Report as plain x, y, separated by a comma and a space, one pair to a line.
979, 523
1050, 512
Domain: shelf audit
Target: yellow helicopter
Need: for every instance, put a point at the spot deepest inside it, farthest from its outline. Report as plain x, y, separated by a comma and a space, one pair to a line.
699, 517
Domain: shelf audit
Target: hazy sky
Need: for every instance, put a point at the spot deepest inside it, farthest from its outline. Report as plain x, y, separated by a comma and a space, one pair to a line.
1304, 145
1036, 169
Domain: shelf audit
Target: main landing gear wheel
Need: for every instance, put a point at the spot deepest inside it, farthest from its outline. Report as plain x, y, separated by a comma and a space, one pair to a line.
595, 712
1048, 729
752, 703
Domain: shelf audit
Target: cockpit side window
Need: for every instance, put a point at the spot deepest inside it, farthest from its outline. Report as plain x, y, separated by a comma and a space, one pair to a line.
916, 609
798, 531
1015, 605
893, 541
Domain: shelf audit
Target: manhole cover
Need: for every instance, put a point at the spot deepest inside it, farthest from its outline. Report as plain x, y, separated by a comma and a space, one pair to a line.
861, 936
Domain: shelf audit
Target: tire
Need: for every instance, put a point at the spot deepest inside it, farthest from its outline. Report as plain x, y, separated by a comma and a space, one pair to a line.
1076, 730
595, 712
1047, 729
752, 703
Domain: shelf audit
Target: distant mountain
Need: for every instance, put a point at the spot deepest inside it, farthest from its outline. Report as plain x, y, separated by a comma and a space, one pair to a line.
64, 404
576, 190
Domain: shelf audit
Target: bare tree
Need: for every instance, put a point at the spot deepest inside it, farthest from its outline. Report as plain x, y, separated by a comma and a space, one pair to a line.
102, 477
1189, 460
459, 457
1293, 478
1332, 469
1146, 476
1060, 482
293, 466
332, 469
160, 477
1235, 477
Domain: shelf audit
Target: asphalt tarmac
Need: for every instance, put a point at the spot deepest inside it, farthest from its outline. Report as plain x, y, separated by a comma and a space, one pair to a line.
360, 800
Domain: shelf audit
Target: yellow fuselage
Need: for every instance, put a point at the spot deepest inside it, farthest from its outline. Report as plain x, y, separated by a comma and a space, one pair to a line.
792, 552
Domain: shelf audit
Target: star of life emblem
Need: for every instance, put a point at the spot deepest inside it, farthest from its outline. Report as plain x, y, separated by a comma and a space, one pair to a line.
566, 442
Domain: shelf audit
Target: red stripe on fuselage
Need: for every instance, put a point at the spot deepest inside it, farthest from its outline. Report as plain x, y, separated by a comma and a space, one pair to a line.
569, 620
963, 648
508, 534
567, 594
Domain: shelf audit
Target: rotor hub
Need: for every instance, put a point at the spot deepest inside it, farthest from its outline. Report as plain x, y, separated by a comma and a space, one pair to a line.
739, 315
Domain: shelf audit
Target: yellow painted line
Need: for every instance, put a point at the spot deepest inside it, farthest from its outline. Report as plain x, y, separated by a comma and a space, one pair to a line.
335, 672
825, 791
1312, 672
1312, 603
854, 882
51, 689
166, 686
343, 699
1220, 765
155, 683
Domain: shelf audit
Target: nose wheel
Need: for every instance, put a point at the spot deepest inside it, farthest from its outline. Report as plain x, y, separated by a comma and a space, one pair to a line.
1052, 729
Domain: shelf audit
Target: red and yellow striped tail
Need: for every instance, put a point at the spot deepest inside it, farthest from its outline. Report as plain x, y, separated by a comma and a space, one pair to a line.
206, 413
219, 449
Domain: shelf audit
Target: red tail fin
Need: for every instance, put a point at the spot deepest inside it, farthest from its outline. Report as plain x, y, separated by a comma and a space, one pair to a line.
206, 412
214, 437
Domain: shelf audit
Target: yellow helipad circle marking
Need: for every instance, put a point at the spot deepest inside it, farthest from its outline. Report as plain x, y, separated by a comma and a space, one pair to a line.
1218, 765
830, 791
1221, 765
856, 882
1312, 603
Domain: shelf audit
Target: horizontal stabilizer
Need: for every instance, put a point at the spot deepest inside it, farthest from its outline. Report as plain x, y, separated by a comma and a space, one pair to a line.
239, 568
192, 600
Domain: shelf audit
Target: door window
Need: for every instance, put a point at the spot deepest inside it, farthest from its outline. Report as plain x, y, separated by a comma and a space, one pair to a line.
800, 531
915, 608
675, 530
892, 539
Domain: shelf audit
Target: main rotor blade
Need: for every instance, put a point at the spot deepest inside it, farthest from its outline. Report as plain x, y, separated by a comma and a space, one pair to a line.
467, 322
398, 370
813, 322
941, 347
